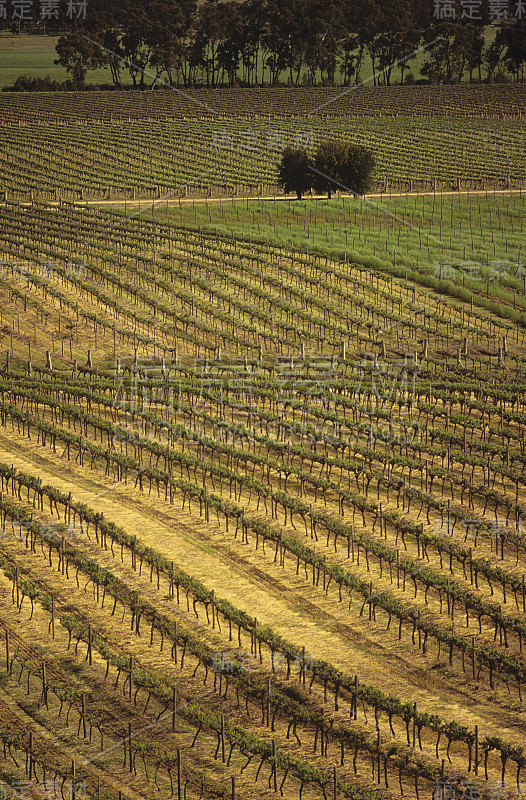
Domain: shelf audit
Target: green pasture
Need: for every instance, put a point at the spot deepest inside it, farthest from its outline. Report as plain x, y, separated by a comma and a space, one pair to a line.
33, 55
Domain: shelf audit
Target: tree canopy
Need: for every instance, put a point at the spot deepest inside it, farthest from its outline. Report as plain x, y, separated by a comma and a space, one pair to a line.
337, 165
357, 168
329, 158
294, 171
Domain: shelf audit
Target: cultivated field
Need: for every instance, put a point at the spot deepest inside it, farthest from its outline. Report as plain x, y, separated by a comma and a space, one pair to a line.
458, 243
262, 481
159, 144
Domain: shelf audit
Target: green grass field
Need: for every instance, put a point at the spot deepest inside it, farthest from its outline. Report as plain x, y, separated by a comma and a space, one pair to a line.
34, 56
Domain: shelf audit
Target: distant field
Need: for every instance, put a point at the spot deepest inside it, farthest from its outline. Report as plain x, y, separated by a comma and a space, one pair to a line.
503, 101
34, 55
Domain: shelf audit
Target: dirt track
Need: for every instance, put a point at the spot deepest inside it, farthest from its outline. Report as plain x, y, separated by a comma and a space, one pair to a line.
148, 202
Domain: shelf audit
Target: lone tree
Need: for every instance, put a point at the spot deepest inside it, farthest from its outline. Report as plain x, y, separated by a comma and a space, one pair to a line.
294, 171
358, 169
330, 158
342, 165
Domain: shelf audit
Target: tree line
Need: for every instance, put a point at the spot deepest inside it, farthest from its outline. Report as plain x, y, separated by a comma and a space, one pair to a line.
265, 42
